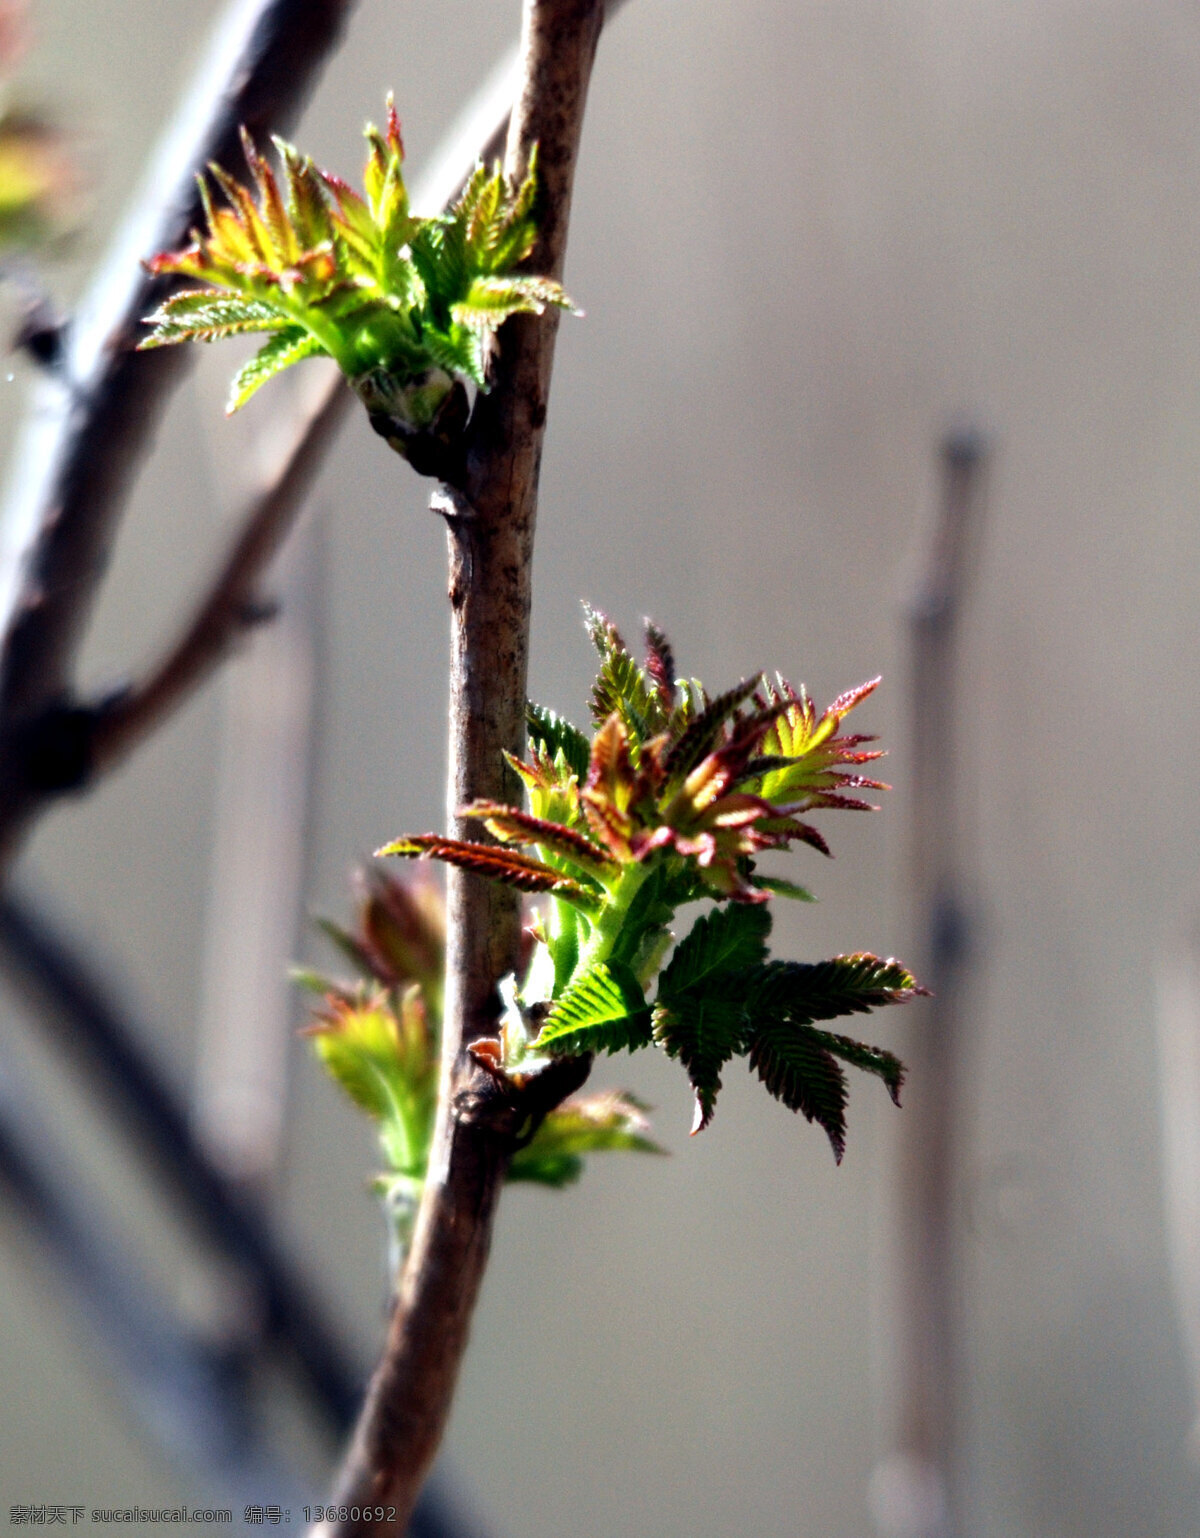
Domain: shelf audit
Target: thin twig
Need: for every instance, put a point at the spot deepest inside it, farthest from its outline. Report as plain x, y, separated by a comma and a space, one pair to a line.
114, 728
916, 1491
231, 603
71, 1002
491, 525
74, 1009
87, 435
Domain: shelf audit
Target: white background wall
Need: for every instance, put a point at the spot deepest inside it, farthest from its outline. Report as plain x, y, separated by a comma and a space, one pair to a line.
807, 237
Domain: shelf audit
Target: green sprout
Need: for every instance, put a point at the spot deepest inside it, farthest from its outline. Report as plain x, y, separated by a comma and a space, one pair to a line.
405, 305
380, 1039
675, 798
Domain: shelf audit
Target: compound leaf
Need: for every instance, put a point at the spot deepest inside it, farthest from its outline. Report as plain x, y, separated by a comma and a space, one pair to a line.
554, 734
284, 349
604, 1010
729, 939
797, 1067
703, 1030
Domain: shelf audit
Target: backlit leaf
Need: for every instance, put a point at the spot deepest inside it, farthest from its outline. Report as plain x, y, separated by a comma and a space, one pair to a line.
496, 863
604, 1010
727, 940
284, 349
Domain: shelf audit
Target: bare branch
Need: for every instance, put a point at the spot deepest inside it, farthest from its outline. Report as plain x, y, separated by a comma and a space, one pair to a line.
232, 602
491, 527
87, 435
917, 1489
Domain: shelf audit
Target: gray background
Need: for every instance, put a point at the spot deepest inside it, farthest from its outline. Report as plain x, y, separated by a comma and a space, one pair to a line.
807, 236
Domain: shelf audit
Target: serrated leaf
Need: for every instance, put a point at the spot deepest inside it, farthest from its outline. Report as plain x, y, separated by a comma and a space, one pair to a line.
280, 352
490, 301
703, 1030
512, 825
884, 1065
607, 1122
825, 990
702, 735
725, 941
602, 1011
660, 665
622, 687
554, 734
200, 315
495, 863
798, 1062
798, 1069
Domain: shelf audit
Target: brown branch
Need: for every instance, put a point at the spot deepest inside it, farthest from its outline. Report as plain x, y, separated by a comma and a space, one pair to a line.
491, 526
922, 1476
78, 460
232, 602
101, 735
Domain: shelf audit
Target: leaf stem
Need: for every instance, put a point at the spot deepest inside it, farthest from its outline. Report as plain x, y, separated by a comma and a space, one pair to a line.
610, 921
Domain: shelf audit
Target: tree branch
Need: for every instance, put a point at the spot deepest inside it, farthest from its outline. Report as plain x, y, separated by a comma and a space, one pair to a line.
491, 527
88, 434
232, 602
306, 433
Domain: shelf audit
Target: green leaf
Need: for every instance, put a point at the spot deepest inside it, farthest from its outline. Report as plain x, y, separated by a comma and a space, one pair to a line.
602, 1123
280, 352
782, 888
363, 1054
885, 1065
200, 315
796, 1062
844, 985
727, 940
490, 301
700, 1014
602, 1011
554, 734
703, 1030
621, 685
798, 1069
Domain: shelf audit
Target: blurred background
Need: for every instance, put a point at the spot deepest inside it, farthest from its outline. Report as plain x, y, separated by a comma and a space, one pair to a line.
811, 241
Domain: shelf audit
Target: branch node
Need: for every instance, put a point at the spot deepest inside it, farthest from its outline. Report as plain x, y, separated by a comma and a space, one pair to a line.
257, 611
449, 503
55, 748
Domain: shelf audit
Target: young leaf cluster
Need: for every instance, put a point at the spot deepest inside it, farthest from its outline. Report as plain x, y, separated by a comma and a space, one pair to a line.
676, 796
379, 1037
406, 305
